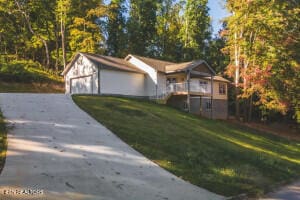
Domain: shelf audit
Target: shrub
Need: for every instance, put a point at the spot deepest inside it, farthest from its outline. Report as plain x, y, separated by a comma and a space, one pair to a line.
25, 71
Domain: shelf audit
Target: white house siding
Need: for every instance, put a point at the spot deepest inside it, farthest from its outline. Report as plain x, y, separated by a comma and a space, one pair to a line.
120, 82
86, 84
150, 86
161, 83
150, 78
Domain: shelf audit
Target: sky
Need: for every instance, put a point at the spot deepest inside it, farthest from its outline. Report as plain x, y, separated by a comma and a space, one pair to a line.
217, 12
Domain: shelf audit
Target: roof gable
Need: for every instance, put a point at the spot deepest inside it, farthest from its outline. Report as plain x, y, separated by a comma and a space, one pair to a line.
196, 65
159, 65
106, 62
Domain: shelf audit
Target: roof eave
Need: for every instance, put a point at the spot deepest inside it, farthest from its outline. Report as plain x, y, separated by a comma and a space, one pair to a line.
69, 65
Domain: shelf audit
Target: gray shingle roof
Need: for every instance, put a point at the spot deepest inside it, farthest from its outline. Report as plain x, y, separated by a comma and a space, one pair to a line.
109, 61
159, 65
106, 62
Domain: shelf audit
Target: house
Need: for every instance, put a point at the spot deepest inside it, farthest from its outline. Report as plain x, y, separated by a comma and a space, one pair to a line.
191, 86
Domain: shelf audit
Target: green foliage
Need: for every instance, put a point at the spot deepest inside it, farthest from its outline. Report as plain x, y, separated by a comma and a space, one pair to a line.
169, 23
215, 57
3, 141
85, 33
196, 30
32, 29
221, 157
141, 26
116, 28
268, 63
26, 72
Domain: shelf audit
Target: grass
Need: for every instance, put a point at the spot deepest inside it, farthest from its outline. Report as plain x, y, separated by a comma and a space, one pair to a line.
28, 76
3, 144
15, 87
224, 158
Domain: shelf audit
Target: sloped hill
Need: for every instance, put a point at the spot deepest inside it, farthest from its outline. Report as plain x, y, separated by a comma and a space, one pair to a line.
29, 76
221, 157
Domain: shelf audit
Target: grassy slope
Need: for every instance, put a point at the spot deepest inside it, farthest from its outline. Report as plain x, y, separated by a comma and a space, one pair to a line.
218, 156
50, 87
2, 142
28, 76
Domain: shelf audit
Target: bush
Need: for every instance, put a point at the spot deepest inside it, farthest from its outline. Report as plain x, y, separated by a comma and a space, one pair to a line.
25, 71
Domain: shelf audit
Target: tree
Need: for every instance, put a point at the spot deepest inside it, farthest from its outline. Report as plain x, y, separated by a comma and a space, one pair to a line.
116, 29
215, 56
85, 30
169, 23
196, 30
263, 63
24, 9
62, 10
141, 26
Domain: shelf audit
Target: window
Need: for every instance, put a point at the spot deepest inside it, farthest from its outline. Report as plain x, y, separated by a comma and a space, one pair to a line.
208, 105
203, 84
222, 88
171, 80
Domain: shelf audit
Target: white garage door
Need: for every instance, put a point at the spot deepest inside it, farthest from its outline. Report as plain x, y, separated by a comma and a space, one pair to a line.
82, 85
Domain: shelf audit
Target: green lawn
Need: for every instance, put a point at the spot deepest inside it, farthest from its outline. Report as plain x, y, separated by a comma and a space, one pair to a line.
2, 142
15, 87
221, 157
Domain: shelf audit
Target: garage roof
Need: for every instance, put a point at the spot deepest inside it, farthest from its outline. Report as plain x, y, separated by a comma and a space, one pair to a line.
107, 62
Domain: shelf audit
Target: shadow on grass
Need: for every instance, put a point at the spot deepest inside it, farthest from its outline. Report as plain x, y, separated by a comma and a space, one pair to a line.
223, 158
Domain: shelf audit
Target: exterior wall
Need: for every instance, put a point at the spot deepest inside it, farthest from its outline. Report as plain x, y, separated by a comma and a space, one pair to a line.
217, 95
120, 82
150, 86
195, 86
220, 109
180, 77
161, 83
177, 101
151, 77
83, 85
219, 106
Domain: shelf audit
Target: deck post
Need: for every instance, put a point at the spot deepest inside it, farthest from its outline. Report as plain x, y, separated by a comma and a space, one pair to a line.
211, 95
200, 105
188, 90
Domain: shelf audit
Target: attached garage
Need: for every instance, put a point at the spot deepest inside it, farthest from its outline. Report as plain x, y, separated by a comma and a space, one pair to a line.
97, 74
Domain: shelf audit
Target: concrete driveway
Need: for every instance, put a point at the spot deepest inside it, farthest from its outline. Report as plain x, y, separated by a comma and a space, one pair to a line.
289, 192
56, 151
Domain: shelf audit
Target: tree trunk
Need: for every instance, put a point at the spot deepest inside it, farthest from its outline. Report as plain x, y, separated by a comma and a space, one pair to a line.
236, 78
56, 48
34, 33
62, 29
250, 108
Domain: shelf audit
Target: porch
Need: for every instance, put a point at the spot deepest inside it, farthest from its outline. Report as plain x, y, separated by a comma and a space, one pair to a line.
195, 87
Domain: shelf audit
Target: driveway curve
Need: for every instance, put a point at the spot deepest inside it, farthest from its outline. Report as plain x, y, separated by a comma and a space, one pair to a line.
57, 151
